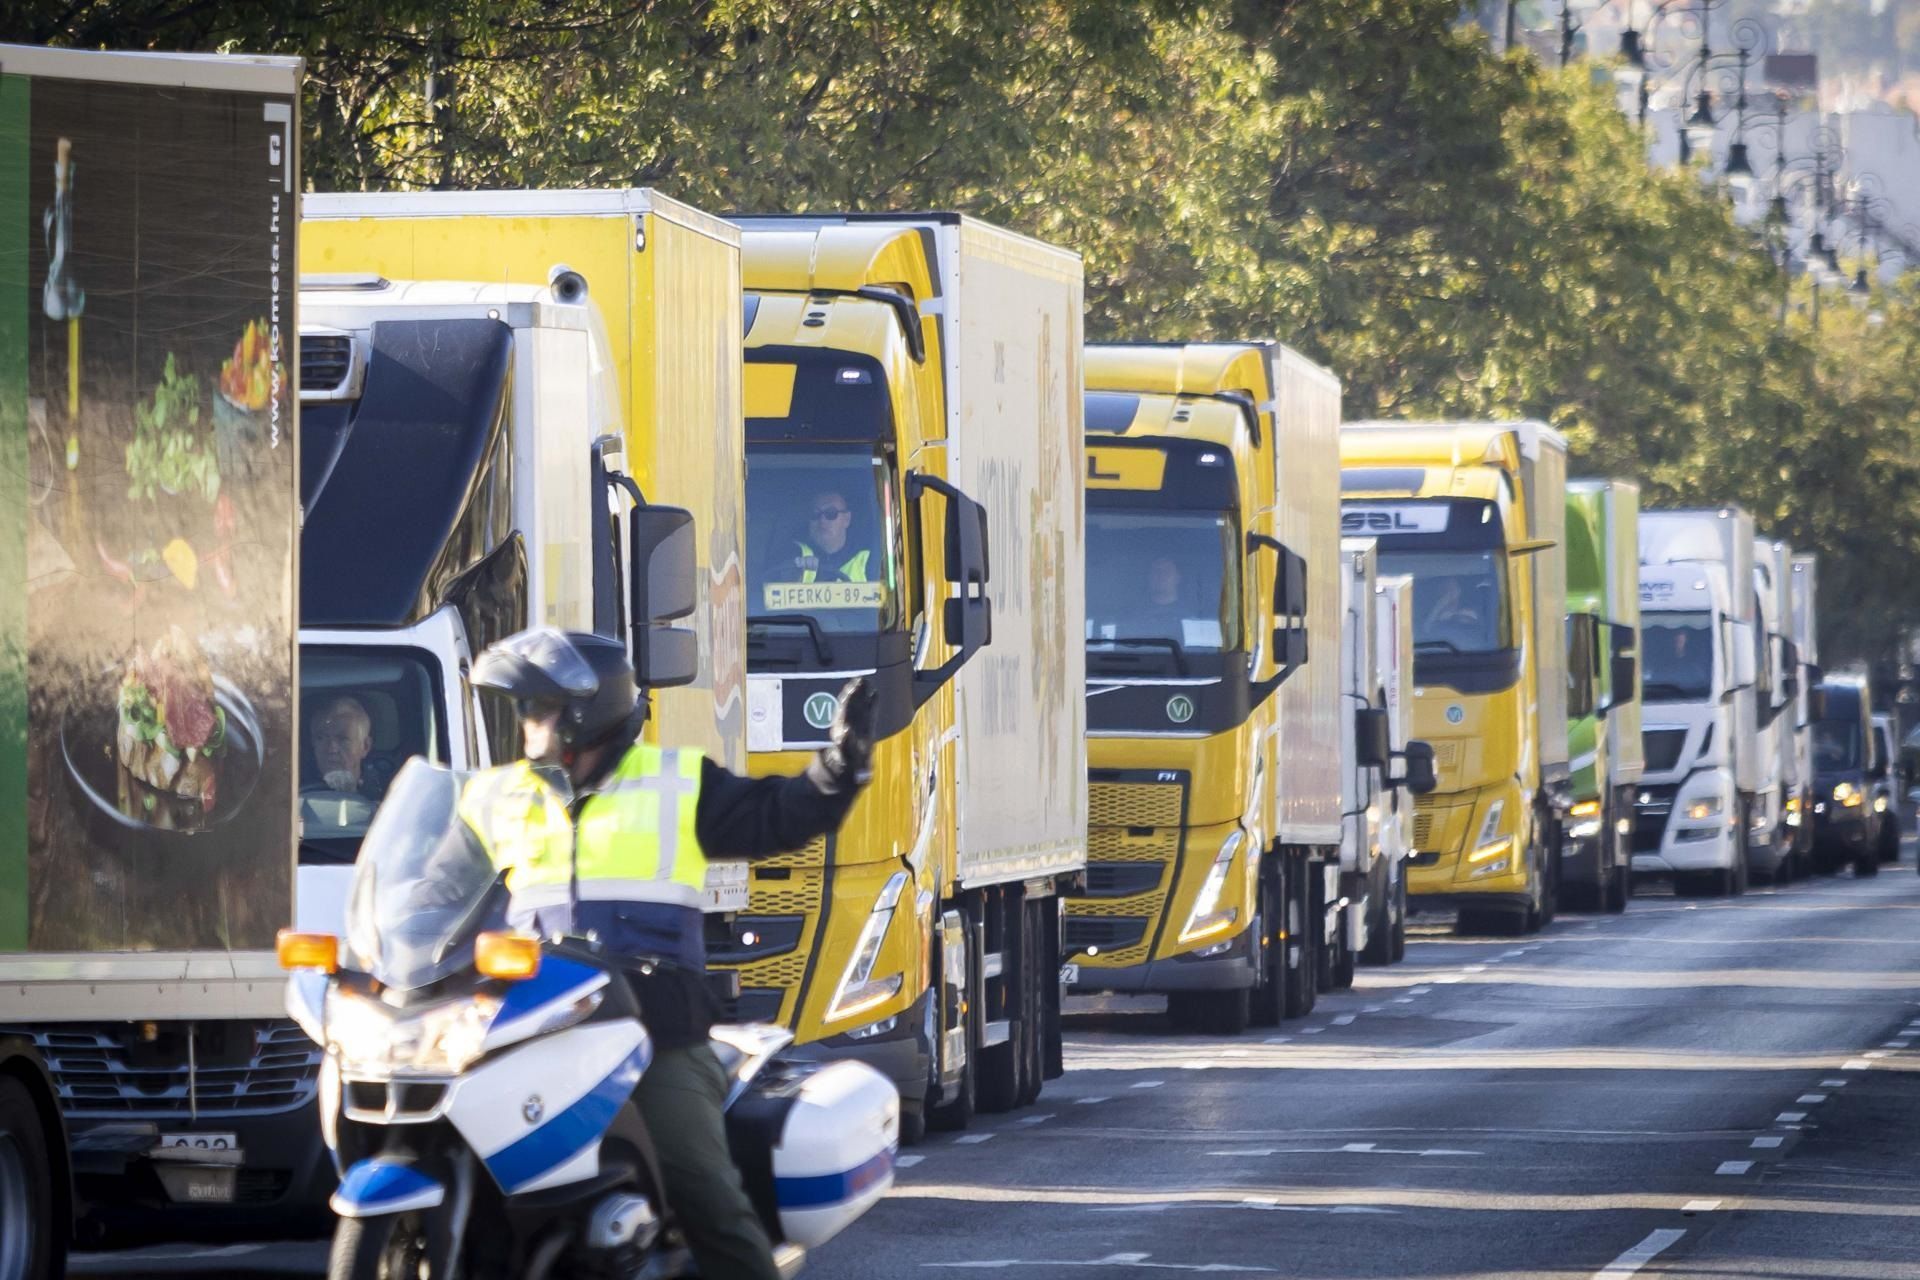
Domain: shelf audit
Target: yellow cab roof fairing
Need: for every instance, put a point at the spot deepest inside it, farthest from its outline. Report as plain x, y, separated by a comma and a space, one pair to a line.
837, 259
1218, 422
1177, 368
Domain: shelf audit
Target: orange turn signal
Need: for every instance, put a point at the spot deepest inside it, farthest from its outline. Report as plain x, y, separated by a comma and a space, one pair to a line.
501, 954
308, 951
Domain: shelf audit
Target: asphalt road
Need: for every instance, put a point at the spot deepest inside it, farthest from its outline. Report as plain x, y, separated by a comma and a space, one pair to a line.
1699, 1088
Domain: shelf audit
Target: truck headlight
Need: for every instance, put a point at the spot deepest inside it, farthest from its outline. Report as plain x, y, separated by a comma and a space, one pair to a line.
1586, 815
1847, 794
375, 1041
1207, 917
859, 991
1706, 807
1490, 825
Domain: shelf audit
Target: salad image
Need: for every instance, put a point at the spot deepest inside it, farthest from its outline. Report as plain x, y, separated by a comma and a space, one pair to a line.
246, 379
172, 736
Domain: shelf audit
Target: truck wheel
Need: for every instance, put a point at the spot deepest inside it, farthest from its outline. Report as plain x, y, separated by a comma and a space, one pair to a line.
1268, 997
1000, 1082
1302, 985
1619, 889
1210, 1013
1890, 841
1399, 950
1344, 959
31, 1243
1042, 967
1866, 863
1550, 837
957, 1112
1379, 948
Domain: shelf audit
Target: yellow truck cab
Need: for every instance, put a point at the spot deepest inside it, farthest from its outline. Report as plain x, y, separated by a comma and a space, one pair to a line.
913, 516
1209, 513
1475, 513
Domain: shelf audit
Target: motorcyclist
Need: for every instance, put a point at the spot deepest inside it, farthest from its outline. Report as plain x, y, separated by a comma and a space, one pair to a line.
606, 836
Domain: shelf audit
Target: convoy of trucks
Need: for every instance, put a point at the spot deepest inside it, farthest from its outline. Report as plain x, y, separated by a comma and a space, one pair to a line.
1186, 688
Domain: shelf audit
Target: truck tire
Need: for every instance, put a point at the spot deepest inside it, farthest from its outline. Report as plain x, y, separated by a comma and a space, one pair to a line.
957, 1112
1399, 951
1211, 1013
1379, 948
1269, 997
32, 1245
1042, 967
1002, 1065
1302, 985
1866, 862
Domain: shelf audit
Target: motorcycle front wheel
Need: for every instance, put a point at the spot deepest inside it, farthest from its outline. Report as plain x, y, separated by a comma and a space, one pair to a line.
389, 1247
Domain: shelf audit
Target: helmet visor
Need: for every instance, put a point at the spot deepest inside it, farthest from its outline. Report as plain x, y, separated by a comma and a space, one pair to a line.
536, 665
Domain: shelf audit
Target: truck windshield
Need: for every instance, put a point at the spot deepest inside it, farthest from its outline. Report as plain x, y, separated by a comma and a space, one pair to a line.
1676, 662
1836, 745
1162, 581
823, 540
1459, 599
364, 712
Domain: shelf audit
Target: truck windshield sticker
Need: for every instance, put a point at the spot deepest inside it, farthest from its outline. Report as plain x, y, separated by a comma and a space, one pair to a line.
1374, 518
807, 596
1125, 468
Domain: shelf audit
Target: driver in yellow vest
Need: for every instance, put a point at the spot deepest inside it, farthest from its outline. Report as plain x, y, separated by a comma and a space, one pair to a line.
825, 552
603, 835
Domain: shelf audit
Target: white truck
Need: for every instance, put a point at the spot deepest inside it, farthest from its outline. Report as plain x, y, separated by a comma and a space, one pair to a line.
1771, 836
1700, 650
1393, 652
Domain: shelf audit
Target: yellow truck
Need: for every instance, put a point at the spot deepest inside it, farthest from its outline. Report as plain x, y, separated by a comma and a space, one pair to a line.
1213, 656
659, 282
914, 449
1475, 514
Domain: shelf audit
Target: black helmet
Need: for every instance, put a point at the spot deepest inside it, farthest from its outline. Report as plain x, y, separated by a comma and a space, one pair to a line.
589, 675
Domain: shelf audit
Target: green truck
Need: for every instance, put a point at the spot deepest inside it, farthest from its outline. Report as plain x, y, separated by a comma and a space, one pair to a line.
1603, 712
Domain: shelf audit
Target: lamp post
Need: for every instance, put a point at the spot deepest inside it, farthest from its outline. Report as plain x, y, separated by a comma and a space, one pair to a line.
1725, 71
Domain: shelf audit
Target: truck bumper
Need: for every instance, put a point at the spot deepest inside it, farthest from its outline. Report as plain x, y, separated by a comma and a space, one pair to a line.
902, 1052
1713, 852
280, 1189
1226, 969
1580, 860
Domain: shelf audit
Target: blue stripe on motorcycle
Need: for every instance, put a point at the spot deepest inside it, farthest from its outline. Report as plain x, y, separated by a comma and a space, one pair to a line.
823, 1189
376, 1186
557, 976
566, 1134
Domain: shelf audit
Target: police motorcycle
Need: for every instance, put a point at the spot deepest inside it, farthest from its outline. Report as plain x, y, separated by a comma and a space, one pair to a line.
476, 1089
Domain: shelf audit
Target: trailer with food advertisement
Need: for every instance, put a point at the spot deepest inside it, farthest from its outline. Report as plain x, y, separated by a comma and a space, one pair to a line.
235, 603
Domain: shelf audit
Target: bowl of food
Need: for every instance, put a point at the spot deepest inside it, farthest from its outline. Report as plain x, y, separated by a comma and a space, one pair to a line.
241, 399
175, 753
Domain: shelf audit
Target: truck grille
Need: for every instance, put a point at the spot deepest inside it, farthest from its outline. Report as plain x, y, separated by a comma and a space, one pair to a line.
1422, 829
1662, 748
785, 895
111, 1069
325, 360
1134, 804
1109, 933
1122, 879
1651, 807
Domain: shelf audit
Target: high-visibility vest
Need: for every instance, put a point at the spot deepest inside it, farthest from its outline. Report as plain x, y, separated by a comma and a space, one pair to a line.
853, 568
634, 839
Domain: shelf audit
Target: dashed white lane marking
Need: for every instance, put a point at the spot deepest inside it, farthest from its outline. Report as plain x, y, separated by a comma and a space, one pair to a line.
1811, 1097
1311, 1031
1403, 999
1133, 1261
1700, 1206
1767, 1144
1874, 1054
1856, 1064
1472, 968
1087, 1102
1147, 1084
906, 1162
972, 1139
1359, 1146
1345, 1019
1630, 1262
1348, 1149
1449, 981
1790, 1117
1372, 1008
1833, 1084
1418, 991
1041, 1119
1509, 955
1734, 1168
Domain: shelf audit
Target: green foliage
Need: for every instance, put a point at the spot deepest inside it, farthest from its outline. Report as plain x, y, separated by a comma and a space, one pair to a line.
1456, 234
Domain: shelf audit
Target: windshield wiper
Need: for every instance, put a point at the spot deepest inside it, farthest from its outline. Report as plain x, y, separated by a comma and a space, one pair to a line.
804, 621
1148, 642
1436, 646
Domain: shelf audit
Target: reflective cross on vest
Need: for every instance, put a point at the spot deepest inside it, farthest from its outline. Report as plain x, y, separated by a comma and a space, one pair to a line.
633, 839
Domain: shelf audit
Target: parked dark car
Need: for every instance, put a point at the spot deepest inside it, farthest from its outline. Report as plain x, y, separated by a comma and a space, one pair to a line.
1852, 817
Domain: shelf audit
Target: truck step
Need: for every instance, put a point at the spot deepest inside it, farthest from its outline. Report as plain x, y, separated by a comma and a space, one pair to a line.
993, 964
998, 1031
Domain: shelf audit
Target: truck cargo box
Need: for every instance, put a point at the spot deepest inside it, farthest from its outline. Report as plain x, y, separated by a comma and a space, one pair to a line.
1307, 489
1543, 473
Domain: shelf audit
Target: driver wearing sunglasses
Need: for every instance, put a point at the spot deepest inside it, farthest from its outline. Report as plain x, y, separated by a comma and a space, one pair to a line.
824, 553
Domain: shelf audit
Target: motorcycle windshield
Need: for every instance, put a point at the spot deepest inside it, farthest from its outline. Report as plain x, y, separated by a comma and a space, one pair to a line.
421, 885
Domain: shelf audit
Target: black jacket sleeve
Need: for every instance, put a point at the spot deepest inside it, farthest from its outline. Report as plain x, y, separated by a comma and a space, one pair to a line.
757, 817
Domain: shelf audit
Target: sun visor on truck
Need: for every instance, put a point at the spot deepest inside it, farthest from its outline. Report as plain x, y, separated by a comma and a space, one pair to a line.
409, 466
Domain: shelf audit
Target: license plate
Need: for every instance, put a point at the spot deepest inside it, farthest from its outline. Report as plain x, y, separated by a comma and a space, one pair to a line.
1069, 974
200, 1141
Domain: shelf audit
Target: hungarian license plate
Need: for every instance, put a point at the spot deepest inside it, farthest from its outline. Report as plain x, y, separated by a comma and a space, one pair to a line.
197, 1184
200, 1141
1069, 974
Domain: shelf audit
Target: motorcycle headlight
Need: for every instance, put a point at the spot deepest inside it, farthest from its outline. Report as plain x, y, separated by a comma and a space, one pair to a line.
442, 1039
859, 991
1207, 917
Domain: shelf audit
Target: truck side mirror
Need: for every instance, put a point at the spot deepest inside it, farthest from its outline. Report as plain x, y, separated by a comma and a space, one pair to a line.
1372, 738
1289, 647
1419, 777
663, 588
1746, 666
1289, 603
966, 619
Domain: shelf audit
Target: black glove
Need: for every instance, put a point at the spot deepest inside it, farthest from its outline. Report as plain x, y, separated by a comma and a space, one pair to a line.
846, 762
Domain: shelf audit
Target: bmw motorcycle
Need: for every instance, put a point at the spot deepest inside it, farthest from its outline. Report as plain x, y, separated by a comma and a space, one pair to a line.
476, 1090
